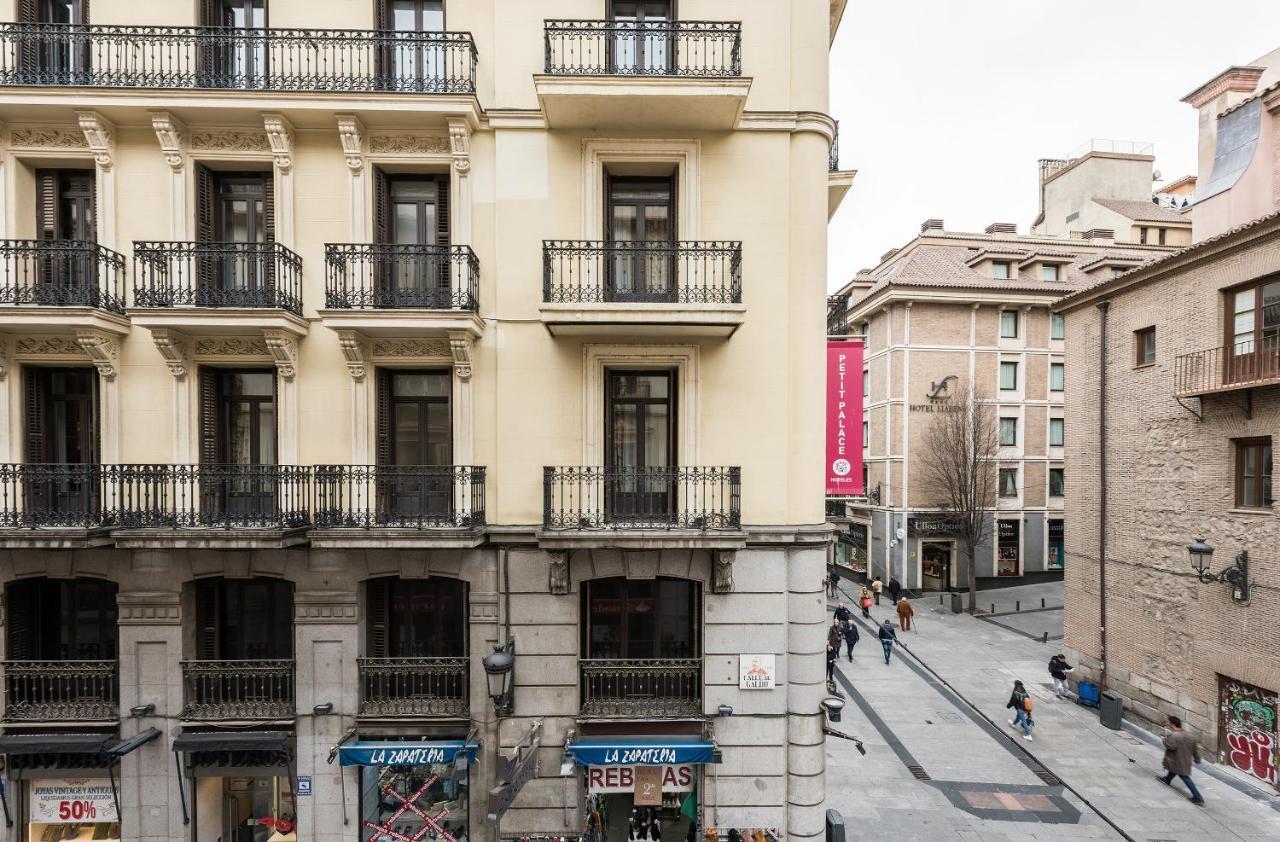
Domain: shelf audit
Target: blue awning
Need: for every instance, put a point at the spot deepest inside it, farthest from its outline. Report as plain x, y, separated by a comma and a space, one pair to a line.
417, 753
609, 753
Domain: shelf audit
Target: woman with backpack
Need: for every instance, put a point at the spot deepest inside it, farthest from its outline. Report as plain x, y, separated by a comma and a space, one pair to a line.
1020, 701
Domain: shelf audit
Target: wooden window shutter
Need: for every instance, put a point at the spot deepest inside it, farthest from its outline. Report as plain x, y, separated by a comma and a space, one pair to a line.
383, 417
442, 210
28, 11
379, 592
269, 205
35, 414
84, 13
380, 15
206, 224
210, 452
210, 13
22, 617
208, 613
47, 204
381, 207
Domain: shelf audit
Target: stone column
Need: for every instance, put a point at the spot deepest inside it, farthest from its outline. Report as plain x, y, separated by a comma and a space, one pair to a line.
806, 687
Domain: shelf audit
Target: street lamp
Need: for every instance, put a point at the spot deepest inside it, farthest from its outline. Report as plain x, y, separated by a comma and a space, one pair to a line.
832, 706
499, 670
1237, 576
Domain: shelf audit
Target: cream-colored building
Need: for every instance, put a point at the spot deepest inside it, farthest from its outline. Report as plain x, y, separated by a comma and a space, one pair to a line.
331, 360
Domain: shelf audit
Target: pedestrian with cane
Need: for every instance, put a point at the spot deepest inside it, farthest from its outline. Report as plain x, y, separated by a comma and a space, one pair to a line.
905, 613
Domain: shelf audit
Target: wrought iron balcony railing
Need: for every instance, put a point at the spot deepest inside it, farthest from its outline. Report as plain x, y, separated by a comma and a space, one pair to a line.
1242, 365
220, 496
699, 49
838, 314
61, 273
414, 686
401, 277
641, 498
399, 496
594, 272
221, 690
257, 275
60, 691
833, 154
66, 496
185, 57
641, 687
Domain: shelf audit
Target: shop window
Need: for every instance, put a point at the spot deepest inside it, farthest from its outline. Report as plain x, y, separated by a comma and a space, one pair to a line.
1057, 544
1057, 482
1008, 432
1008, 482
1144, 344
1008, 376
1008, 547
1008, 324
259, 808
385, 789
1056, 432
1253, 473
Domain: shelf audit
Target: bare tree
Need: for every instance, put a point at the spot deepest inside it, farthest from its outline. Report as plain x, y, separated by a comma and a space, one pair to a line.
960, 468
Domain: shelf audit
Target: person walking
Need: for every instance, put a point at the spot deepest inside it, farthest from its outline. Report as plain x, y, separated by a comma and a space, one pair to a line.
1058, 669
842, 612
835, 634
831, 664
864, 599
905, 613
888, 637
1020, 701
876, 587
1180, 751
850, 636
833, 583
895, 589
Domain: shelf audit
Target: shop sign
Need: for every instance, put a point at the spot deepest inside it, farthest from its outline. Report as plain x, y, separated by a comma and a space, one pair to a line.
648, 786
756, 672
939, 396
844, 418
605, 779
641, 754
72, 801
404, 754
939, 525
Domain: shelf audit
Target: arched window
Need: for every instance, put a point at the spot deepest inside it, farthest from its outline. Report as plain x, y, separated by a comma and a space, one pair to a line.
244, 619
61, 620
641, 619
416, 618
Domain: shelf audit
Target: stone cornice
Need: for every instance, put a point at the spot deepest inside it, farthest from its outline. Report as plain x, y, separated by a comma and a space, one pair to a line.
1241, 78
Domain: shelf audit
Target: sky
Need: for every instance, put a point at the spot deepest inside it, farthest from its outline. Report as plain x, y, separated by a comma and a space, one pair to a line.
946, 105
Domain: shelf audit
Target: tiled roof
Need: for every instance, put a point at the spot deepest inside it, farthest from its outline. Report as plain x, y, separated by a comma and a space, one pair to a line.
1141, 211
1268, 89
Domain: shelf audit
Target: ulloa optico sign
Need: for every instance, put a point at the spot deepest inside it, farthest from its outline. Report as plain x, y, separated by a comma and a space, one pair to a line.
844, 418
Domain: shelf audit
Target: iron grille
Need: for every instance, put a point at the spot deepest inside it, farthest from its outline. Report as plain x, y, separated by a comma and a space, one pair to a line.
61, 273
1240, 365
221, 690
593, 272
68, 496
60, 691
399, 496
699, 49
225, 496
414, 686
641, 687
642, 498
255, 275
364, 276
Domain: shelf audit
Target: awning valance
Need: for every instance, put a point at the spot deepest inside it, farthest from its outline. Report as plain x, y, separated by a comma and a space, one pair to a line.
94, 743
614, 753
411, 753
193, 741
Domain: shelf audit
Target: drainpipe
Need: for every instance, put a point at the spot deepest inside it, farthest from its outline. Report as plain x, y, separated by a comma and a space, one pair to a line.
1103, 307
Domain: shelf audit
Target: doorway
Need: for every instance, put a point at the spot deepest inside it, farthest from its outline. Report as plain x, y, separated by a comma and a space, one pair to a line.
643, 41
640, 229
640, 445
935, 565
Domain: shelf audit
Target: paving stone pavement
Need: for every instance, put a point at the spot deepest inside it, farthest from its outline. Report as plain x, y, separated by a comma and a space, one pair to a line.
939, 706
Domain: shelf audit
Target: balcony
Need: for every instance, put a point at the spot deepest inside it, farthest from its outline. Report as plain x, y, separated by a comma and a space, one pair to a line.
380, 506
414, 687
1246, 365
402, 290
838, 314
57, 506
641, 688
60, 691
618, 74
642, 289
237, 690
221, 58
56, 286
838, 181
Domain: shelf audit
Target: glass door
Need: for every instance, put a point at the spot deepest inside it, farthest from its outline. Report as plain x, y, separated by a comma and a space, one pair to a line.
239, 52
61, 435
1253, 333
640, 483
248, 443
416, 62
642, 38
242, 218
418, 482
65, 219
418, 277
641, 249
62, 56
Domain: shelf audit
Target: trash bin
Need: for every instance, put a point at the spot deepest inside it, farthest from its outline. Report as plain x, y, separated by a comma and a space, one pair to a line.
1112, 712
835, 826
957, 603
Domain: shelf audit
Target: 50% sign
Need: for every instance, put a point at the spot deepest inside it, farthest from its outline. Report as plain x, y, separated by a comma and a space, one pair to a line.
74, 811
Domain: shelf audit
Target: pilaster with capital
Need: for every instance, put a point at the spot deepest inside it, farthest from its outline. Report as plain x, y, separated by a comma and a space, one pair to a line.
100, 137
461, 345
355, 347
284, 350
460, 180
280, 137
351, 134
173, 138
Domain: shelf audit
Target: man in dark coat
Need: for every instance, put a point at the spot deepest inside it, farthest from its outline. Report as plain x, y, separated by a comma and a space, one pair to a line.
842, 612
888, 637
1180, 751
831, 663
895, 589
850, 636
835, 634
1058, 669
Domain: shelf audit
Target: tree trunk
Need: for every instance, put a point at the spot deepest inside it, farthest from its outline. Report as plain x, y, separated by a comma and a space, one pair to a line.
973, 581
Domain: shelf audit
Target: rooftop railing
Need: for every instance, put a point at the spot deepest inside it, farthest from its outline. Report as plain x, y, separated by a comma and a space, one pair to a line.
61, 273
698, 49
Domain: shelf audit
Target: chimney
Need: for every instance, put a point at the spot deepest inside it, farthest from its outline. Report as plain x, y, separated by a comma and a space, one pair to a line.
1100, 234
1002, 228
888, 254
930, 225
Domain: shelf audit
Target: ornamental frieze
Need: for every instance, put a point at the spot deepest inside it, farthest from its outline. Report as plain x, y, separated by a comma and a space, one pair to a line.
230, 141
412, 348
409, 144
232, 346
36, 138
49, 346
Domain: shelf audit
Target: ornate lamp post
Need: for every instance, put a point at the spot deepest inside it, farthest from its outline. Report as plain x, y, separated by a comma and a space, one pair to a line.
499, 670
1237, 575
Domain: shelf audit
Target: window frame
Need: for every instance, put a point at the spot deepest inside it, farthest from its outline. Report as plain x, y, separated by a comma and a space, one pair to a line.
1061, 425
1263, 480
1061, 368
1062, 482
1000, 380
1002, 264
1000, 428
1000, 482
1057, 326
1014, 314
1045, 269
1139, 346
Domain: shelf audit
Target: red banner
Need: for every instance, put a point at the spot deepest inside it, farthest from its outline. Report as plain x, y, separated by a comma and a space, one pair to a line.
844, 418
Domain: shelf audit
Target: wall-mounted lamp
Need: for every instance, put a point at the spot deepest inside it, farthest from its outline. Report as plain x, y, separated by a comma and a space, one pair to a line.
323, 709
1237, 576
500, 670
725, 710
832, 706
139, 711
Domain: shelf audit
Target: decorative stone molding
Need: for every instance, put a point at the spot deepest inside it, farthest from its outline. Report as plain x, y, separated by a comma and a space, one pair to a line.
230, 141
722, 571
48, 346
99, 136
460, 144
231, 346
280, 136
173, 346
313, 607
460, 344
27, 137
409, 144
284, 349
483, 606
558, 573
172, 135
411, 348
141, 608
351, 134
103, 350
356, 349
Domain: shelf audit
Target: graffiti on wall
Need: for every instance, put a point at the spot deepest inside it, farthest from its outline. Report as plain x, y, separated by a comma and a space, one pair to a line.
1247, 732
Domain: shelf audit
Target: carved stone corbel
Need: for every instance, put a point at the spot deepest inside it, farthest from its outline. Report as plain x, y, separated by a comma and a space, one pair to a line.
356, 349
722, 571
99, 136
460, 144
284, 349
173, 346
101, 348
172, 135
558, 574
460, 344
280, 136
351, 134
6, 356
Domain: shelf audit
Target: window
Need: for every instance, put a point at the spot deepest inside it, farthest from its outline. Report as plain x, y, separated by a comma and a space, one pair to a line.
1117, 271
1008, 376
866, 438
415, 618
239, 62
1142, 235
1057, 482
1162, 234
235, 208
1008, 432
244, 619
1000, 269
1057, 544
61, 620
632, 618
1253, 473
640, 441
1050, 272
1144, 343
641, 230
1057, 326
237, 417
1057, 377
1008, 482
866, 382
1253, 332
1056, 431
1008, 324
650, 50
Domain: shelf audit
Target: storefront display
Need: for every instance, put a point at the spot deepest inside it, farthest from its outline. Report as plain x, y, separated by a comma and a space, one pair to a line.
71, 809
1057, 544
260, 809
1008, 547
935, 565
412, 789
642, 790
